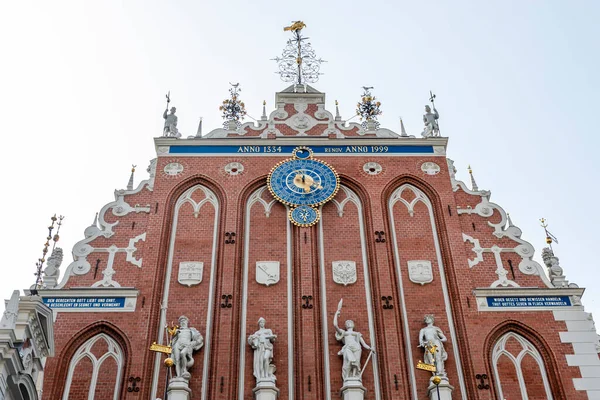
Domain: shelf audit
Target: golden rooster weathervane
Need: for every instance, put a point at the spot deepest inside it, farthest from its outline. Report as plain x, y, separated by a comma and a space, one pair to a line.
298, 62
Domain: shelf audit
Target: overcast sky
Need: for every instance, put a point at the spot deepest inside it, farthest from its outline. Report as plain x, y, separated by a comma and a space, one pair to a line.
82, 87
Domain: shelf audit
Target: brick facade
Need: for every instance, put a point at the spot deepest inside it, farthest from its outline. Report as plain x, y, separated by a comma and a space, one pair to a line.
429, 229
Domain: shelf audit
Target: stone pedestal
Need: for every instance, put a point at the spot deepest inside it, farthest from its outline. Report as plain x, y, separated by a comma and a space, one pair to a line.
353, 390
265, 390
178, 389
443, 391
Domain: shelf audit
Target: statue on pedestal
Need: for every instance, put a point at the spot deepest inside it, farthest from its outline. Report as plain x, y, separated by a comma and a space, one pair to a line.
170, 129
262, 343
352, 349
432, 339
185, 341
431, 124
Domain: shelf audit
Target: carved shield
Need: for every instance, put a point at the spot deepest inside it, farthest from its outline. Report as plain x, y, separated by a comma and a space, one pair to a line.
344, 272
190, 272
267, 272
420, 271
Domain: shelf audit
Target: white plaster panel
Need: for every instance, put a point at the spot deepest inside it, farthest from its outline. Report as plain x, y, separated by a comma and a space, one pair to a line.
593, 394
586, 384
584, 348
564, 315
578, 337
575, 360
585, 326
590, 371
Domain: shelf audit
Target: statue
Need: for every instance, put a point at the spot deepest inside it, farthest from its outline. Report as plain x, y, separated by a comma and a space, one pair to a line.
432, 339
261, 342
352, 349
185, 341
170, 129
52, 270
431, 125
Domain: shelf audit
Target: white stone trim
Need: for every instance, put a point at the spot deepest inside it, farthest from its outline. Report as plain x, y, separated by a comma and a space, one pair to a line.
84, 351
581, 333
256, 197
506, 229
353, 198
210, 198
395, 197
528, 349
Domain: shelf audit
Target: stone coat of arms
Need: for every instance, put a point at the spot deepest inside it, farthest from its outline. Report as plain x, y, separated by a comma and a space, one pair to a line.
344, 272
420, 271
190, 273
267, 272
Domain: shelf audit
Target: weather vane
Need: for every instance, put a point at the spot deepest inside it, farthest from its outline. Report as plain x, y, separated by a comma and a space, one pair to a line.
298, 63
549, 237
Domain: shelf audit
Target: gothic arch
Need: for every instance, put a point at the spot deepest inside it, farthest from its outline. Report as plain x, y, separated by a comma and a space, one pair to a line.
538, 348
104, 328
113, 351
182, 195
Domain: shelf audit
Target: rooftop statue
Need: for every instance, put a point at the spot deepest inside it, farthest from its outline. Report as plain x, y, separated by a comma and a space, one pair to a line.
170, 129
431, 124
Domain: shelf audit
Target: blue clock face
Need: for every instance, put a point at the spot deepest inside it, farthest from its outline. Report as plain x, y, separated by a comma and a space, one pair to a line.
304, 216
303, 182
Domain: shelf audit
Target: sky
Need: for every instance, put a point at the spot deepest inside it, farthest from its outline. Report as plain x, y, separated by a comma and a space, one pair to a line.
83, 83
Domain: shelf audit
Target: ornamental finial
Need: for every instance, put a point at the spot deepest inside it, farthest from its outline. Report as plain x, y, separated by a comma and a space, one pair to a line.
233, 108
550, 238
368, 109
40, 263
298, 62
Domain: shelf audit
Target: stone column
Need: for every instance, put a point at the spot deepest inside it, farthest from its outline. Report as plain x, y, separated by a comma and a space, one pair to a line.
353, 390
178, 389
440, 391
265, 390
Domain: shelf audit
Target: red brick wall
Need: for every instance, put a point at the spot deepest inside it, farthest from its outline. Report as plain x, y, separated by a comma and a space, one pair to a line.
267, 239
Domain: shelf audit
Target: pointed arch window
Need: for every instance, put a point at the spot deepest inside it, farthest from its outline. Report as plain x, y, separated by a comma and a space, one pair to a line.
515, 361
111, 352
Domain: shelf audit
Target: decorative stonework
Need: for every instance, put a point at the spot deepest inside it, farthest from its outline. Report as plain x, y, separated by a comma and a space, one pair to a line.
173, 169
344, 272
267, 272
420, 271
372, 168
234, 168
430, 168
190, 273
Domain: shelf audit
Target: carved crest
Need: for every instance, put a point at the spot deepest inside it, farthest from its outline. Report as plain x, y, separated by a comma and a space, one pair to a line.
420, 271
344, 272
190, 273
267, 272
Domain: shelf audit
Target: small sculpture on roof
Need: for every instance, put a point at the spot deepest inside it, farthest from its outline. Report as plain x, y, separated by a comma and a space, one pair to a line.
430, 119
170, 128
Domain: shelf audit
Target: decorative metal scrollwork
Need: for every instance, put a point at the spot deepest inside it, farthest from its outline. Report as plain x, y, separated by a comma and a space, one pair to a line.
307, 301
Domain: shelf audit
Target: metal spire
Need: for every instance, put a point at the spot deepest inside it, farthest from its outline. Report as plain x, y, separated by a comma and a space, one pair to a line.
130, 183
337, 112
474, 186
298, 62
